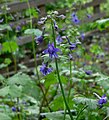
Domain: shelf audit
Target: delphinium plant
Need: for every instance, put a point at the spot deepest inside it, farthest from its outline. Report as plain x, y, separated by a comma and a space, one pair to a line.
64, 86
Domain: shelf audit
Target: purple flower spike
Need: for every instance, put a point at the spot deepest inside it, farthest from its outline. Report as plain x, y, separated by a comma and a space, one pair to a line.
45, 70
102, 100
39, 39
88, 72
52, 51
72, 46
14, 109
59, 39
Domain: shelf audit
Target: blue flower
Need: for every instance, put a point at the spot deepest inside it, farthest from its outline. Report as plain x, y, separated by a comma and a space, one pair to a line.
14, 109
55, 26
18, 28
75, 19
88, 72
39, 39
11, 25
82, 36
72, 46
59, 39
73, 15
70, 57
89, 16
45, 70
102, 100
52, 51
1, 20
23, 23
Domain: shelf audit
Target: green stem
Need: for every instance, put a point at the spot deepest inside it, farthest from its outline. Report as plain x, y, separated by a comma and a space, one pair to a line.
33, 45
35, 60
65, 111
81, 111
70, 80
62, 90
70, 68
7, 69
59, 79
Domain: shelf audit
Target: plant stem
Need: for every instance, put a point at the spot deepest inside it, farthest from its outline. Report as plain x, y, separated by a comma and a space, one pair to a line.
62, 90
35, 60
57, 70
33, 45
81, 111
70, 80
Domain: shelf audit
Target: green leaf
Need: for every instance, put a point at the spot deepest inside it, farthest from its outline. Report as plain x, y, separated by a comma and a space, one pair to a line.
3, 65
8, 61
50, 79
4, 116
92, 104
103, 81
57, 104
1, 78
57, 116
4, 91
32, 90
9, 47
95, 49
15, 91
35, 32
64, 79
102, 24
19, 79
5, 27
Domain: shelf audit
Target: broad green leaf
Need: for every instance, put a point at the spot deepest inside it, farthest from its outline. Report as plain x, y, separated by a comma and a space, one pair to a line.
19, 79
5, 27
8, 61
15, 91
9, 47
92, 104
32, 90
103, 81
4, 91
35, 32
102, 24
4, 116
50, 79
57, 104
3, 65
